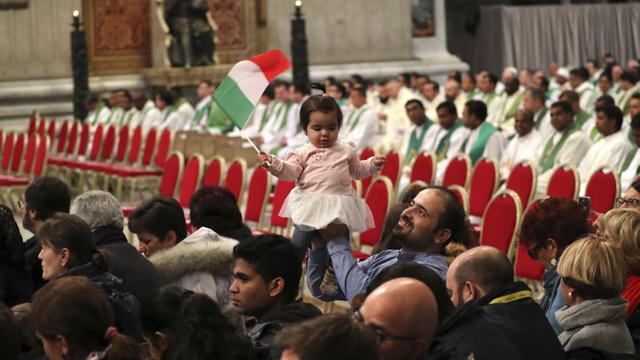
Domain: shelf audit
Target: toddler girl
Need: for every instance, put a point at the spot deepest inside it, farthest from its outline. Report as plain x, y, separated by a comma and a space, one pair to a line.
323, 170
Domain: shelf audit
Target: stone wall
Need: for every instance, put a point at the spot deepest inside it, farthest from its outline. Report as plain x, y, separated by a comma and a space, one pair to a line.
35, 42
346, 31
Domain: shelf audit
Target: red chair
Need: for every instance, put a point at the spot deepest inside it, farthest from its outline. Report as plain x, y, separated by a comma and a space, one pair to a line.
51, 130
191, 179
136, 146
525, 267
164, 144
484, 182
62, 137
40, 165
84, 139
30, 154
6, 152
379, 198
257, 195
278, 224
42, 127
501, 221
603, 189
171, 174
122, 145
364, 155
392, 167
16, 156
424, 168
213, 174
462, 196
96, 143
72, 139
235, 178
32, 125
564, 183
522, 180
149, 147
457, 171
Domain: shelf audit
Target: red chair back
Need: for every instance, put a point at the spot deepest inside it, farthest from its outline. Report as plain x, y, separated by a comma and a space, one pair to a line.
462, 196
603, 189
564, 183
379, 198
522, 180
424, 168
42, 127
190, 179
18, 150
98, 135
364, 155
84, 138
213, 174
457, 171
30, 154
235, 178
51, 130
6, 151
62, 137
392, 167
501, 221
280, 193
484, 182
164, 144
32, 126
149, 147
136, 144
171, 174
41, 157
525, 267
108, 143
259, 186
72, 138
123, 144
1, 140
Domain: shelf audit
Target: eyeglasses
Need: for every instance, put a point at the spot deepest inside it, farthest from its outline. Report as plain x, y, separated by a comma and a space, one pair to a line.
381, 334
533, 252
631, 202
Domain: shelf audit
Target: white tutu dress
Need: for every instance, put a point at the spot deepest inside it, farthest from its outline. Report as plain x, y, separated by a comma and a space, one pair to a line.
324, 193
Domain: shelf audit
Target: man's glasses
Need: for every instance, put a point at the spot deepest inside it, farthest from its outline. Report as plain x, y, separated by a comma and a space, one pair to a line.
631, 202
381, 334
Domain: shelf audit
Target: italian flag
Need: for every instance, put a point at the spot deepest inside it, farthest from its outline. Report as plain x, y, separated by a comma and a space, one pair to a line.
241, 89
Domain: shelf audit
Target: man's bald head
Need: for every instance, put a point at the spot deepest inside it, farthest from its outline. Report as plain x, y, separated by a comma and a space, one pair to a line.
402, 308
476, 272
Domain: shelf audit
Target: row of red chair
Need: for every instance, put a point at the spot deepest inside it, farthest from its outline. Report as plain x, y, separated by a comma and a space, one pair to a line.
22, 158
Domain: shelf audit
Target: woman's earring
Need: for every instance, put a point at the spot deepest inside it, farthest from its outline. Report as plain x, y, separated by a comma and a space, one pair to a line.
570, 294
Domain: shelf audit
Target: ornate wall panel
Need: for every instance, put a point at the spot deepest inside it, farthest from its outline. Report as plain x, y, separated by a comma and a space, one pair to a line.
118, 35
236, 34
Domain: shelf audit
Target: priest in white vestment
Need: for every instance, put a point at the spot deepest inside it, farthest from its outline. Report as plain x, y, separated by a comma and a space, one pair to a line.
360, 124
631, 165
397, 123
431, 98
567, 145
611, 150
484, 140
524, 146
448, 139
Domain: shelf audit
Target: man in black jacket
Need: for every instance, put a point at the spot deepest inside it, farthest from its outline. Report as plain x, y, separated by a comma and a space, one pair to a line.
101, 211
267, 273
44, 197
496, 318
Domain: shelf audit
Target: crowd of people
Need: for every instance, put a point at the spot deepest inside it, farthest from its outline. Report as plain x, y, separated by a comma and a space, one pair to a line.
203, 285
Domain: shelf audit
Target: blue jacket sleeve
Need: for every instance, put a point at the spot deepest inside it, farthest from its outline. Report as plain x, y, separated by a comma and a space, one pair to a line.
352, 276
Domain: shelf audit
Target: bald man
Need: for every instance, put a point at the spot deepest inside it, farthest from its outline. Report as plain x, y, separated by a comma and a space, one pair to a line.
496, 318
404, 314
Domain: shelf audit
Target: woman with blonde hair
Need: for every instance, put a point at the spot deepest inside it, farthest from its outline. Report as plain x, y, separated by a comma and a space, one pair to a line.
621, 227
592, 278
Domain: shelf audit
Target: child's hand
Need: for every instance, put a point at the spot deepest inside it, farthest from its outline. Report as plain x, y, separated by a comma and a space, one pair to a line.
379, 160
264, 160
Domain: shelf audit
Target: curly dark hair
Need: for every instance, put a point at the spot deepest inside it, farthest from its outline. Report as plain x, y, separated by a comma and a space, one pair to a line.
561, 219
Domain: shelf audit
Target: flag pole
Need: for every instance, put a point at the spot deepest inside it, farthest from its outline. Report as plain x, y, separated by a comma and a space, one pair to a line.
250, 142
